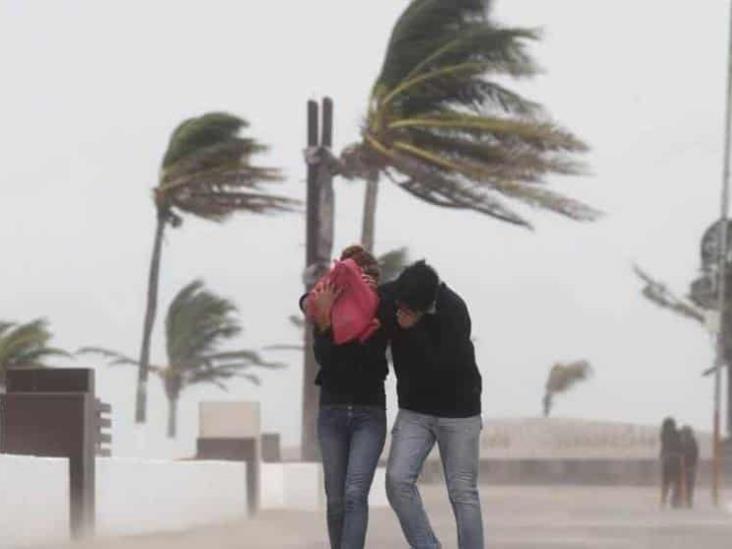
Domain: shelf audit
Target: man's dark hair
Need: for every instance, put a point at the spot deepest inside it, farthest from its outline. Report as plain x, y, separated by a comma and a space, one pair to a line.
417, 286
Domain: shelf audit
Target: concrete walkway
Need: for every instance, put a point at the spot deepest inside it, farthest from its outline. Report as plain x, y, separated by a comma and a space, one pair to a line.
516, 518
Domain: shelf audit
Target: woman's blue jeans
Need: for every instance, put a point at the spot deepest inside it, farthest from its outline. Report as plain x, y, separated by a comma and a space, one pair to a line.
351, 440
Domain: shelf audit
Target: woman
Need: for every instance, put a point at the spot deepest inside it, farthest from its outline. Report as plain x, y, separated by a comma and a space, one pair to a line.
352, 417
671, 463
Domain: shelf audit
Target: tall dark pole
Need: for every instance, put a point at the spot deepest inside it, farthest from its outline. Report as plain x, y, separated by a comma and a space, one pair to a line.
327, 140
722, 286
319, 244
310, 390
312, 186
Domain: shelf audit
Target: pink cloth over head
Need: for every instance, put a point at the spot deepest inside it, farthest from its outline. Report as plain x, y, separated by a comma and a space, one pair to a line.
353, 316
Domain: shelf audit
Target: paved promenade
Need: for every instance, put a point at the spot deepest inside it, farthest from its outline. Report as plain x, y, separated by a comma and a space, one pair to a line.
516, 518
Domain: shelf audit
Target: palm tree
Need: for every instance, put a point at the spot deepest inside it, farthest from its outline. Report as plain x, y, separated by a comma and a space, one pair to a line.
206, 172
25, 346
563, 377
442, 128
198, 323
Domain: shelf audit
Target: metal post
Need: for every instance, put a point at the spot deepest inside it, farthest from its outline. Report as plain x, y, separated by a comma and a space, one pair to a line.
722, 280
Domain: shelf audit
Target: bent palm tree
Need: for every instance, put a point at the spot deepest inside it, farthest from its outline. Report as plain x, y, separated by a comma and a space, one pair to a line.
563, 377
206, 172
25, 346
198, 323
443, 129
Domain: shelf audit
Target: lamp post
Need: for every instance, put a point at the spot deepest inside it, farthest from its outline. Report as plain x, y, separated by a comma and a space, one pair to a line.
722, 280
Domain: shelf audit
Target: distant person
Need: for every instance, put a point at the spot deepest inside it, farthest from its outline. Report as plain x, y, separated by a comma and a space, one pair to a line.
690, 455
671, 463
352, 417
439, 390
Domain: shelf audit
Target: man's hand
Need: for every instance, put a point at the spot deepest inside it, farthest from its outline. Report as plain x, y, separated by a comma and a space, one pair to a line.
407, 318
323, 298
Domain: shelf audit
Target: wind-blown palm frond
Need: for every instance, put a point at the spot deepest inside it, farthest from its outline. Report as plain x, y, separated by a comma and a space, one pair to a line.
216, 374
206, 170
448, 132
434, 34
245, 357
197, 322
26, 346
659, 294
113, 357
563, 377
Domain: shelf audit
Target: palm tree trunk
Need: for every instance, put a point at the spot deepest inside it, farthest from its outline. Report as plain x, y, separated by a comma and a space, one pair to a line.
547, 404
152, 304
369, 212
172, 417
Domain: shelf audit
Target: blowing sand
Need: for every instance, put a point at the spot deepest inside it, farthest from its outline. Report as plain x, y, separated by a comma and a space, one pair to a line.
516, 518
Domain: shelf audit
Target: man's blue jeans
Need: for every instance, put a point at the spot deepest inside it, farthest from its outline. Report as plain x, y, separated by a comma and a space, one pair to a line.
413, 436
351, 441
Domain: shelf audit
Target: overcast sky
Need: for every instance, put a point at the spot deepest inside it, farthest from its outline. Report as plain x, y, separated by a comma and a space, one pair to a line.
90, 91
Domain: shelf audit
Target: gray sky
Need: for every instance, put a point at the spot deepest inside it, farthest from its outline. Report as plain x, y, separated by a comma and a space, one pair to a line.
91, 90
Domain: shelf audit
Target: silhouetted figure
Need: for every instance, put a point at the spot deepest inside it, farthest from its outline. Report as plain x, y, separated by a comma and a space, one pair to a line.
690, 454
671, 463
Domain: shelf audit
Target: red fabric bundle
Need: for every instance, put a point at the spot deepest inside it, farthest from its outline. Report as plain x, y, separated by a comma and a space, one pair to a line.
353, 316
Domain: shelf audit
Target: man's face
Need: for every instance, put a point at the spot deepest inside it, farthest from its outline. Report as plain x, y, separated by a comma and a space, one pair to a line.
401, 306
406, 316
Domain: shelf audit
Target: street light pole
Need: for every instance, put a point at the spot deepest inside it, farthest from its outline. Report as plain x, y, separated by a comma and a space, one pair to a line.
722, 280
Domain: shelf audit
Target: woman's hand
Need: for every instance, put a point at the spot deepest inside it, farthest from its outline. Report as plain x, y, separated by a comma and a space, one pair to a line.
323, 298
369, 280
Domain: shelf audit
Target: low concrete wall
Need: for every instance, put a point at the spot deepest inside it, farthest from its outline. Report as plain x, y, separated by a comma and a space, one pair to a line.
299, 486
589, 472
139, 496
34, 500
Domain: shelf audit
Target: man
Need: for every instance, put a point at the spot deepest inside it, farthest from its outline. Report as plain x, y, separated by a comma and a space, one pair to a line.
439, 389
690, 455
